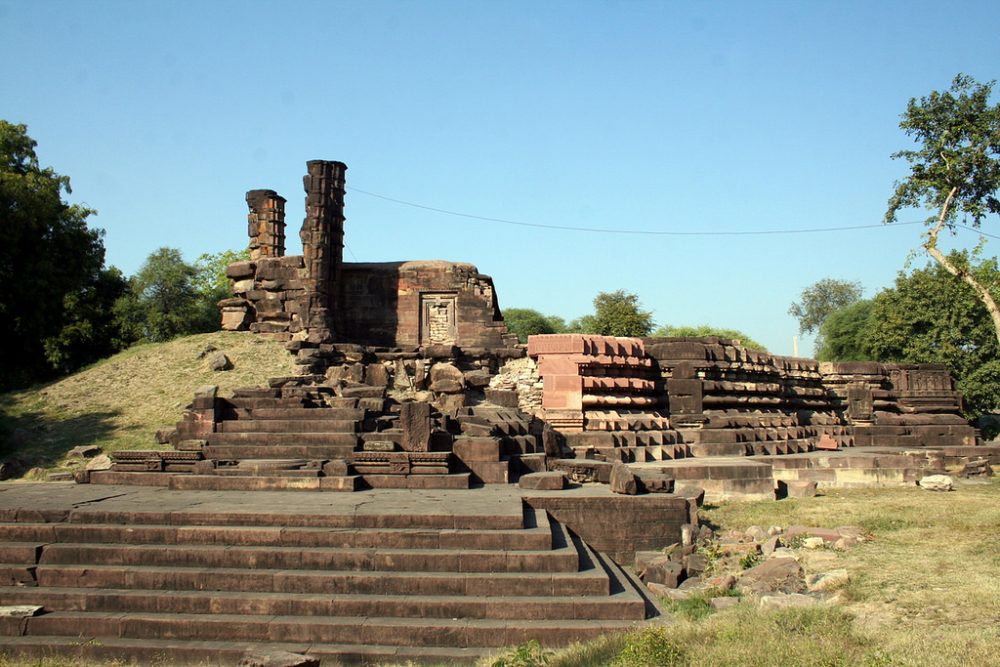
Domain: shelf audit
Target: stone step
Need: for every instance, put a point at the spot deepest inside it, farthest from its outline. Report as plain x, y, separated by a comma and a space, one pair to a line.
456, 480
335, 630
352, 414
274, 439
290, 426
183, 651
592, 582
28, 536
236, 450
295, 519
623, 605
380, 559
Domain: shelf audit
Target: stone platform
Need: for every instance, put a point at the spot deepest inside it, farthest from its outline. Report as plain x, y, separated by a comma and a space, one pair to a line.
760, 477
390, 575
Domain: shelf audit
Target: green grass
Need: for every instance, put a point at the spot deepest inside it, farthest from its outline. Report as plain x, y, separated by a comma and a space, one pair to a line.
120, 402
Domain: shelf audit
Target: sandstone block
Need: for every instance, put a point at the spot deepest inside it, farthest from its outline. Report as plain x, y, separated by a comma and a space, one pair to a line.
543, 481
937, 483
798, 488
657, 567
827, 581
415, 421
774, 575
238, 270
84, 451
788, 601
623, 480
218, 361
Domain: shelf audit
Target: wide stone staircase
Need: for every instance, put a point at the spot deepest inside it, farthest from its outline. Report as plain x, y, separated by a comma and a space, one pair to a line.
349, 588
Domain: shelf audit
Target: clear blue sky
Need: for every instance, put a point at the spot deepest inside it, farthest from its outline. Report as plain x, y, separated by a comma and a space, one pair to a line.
656, 116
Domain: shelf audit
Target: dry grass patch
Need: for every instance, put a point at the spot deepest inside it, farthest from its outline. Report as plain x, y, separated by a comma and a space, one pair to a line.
118, 403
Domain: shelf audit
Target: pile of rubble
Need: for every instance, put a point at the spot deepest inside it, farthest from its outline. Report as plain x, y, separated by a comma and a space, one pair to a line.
763, 565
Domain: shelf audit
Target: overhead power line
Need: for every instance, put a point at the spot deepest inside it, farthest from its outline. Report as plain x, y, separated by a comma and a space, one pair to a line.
647, 232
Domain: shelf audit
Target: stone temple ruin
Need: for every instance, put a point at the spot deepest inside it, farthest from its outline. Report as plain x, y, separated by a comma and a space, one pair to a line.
411, 389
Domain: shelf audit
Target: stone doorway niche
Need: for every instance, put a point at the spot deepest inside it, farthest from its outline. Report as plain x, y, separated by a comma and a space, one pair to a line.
437, 318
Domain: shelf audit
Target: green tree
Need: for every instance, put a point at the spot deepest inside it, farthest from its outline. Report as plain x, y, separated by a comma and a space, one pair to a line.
49, 260
668, 331
210, 279
164, 302
954, 171
819, 300
526, 322
929, 317
618, 313
89, 331
845, 333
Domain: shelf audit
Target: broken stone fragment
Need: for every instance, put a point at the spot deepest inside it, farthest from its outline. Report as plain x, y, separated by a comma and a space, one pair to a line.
446, 378
19, 610
623, 480
720, 603
84, 451
788, 601
827, 581
937, 483
773, 575
218, 361
276, 658
658, 568
102, 462
543, 481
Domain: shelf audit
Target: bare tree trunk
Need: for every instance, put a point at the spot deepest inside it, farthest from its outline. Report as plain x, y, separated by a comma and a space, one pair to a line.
932, 249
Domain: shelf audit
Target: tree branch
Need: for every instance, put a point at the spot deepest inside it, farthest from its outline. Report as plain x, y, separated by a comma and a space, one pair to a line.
931, 247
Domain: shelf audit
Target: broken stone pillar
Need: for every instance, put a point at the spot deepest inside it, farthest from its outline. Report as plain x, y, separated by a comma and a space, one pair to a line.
415, 421
322, 244
266, 224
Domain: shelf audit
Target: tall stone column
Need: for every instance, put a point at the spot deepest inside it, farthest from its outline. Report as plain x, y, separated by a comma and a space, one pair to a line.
266, 224
322, 244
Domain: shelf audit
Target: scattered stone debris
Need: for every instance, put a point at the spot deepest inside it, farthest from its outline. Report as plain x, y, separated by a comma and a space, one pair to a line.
937, 483
163, 436
208, 349
788, 600
219, 362
276, 658
84, 451
102, 462
978, 467
623, 480
543, 481
758, 563
19, 610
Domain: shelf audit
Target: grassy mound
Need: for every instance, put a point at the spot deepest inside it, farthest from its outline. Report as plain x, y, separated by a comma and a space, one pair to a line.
118, 403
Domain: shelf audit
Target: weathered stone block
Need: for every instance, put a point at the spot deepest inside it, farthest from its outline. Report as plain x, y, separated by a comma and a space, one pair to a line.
543, 481
623, 480
415, 421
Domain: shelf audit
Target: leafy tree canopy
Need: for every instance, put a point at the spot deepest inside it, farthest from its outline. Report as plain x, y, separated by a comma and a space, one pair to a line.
164, 300
845, 333
619, 313
820, 299
51, 267
955, 169
707, 330
928, 317
526, 322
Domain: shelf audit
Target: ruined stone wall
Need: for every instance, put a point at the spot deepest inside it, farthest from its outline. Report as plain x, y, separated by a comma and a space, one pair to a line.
268, 297
315, 299
904, 405
730, 400
420, 304
727, 400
